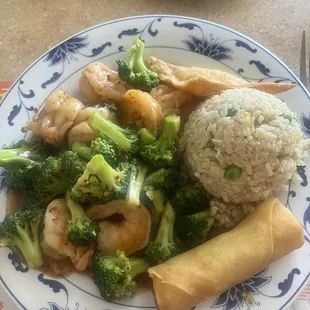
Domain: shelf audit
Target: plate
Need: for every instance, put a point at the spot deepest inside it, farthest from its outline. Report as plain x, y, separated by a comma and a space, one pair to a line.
180, 40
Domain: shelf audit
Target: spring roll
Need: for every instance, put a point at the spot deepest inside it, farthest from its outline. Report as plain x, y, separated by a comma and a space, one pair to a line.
269, 233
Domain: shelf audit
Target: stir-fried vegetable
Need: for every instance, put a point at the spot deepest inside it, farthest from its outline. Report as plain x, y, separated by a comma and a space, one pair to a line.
134, 70
75, 180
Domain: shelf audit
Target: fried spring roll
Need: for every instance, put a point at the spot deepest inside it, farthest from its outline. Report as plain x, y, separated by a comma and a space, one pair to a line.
268, 234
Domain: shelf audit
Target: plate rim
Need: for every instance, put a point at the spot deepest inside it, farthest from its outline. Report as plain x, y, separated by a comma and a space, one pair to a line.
204, 21
273, 55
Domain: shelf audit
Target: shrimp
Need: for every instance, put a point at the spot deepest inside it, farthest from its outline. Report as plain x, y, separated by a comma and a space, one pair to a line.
56, 117
170, 99
86, 113
141, 108
81, 131
99, 83
55, 226
55, 243
88, 91
129, 235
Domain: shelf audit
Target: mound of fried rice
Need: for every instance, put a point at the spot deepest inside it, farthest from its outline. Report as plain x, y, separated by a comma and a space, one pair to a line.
251, 130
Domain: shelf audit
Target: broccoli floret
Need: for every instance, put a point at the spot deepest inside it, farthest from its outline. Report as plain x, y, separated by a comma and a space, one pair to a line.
56, 176
163, 178
134, 71
71, 165
190, 199
107, 149
145, 137
81, 230
22, 154
100, 182
125, 139
114, 276
157, 197
21, 230
164, 245
50, 183
163, 151
136, 180
22, 178
104, 147
82, 149
23, 162
192, 230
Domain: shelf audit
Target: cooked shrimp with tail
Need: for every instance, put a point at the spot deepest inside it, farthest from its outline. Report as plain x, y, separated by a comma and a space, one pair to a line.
55, 243
141, 108
81, 131
56, 117
101, 84
130, 234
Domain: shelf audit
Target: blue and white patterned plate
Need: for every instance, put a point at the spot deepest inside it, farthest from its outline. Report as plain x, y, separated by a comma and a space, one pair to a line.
179, 40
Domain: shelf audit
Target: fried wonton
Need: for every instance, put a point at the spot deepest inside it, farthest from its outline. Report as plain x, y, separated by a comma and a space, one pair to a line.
207, 82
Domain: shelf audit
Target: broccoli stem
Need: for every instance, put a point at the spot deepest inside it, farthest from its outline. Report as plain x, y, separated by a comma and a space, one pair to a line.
163, 152
132, 57
135, 60
99, 166
164, 245
139, 65
171, 128
75, 209
22, 154
15, 162
146, 137
138, 266
157, 197
12, 158
170, 131
82, 149
103, 127
9, 153
203, 214
165, 230
29, 245
137, 177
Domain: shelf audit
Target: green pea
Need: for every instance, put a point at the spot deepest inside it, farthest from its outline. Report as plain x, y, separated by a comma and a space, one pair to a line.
232, 172
289, 117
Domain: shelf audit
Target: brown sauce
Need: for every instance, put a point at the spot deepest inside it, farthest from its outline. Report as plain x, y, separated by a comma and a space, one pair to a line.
144, 281
54, 268
13, 202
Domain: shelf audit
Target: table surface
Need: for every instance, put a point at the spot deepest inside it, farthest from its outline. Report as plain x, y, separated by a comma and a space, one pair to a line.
30, 27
